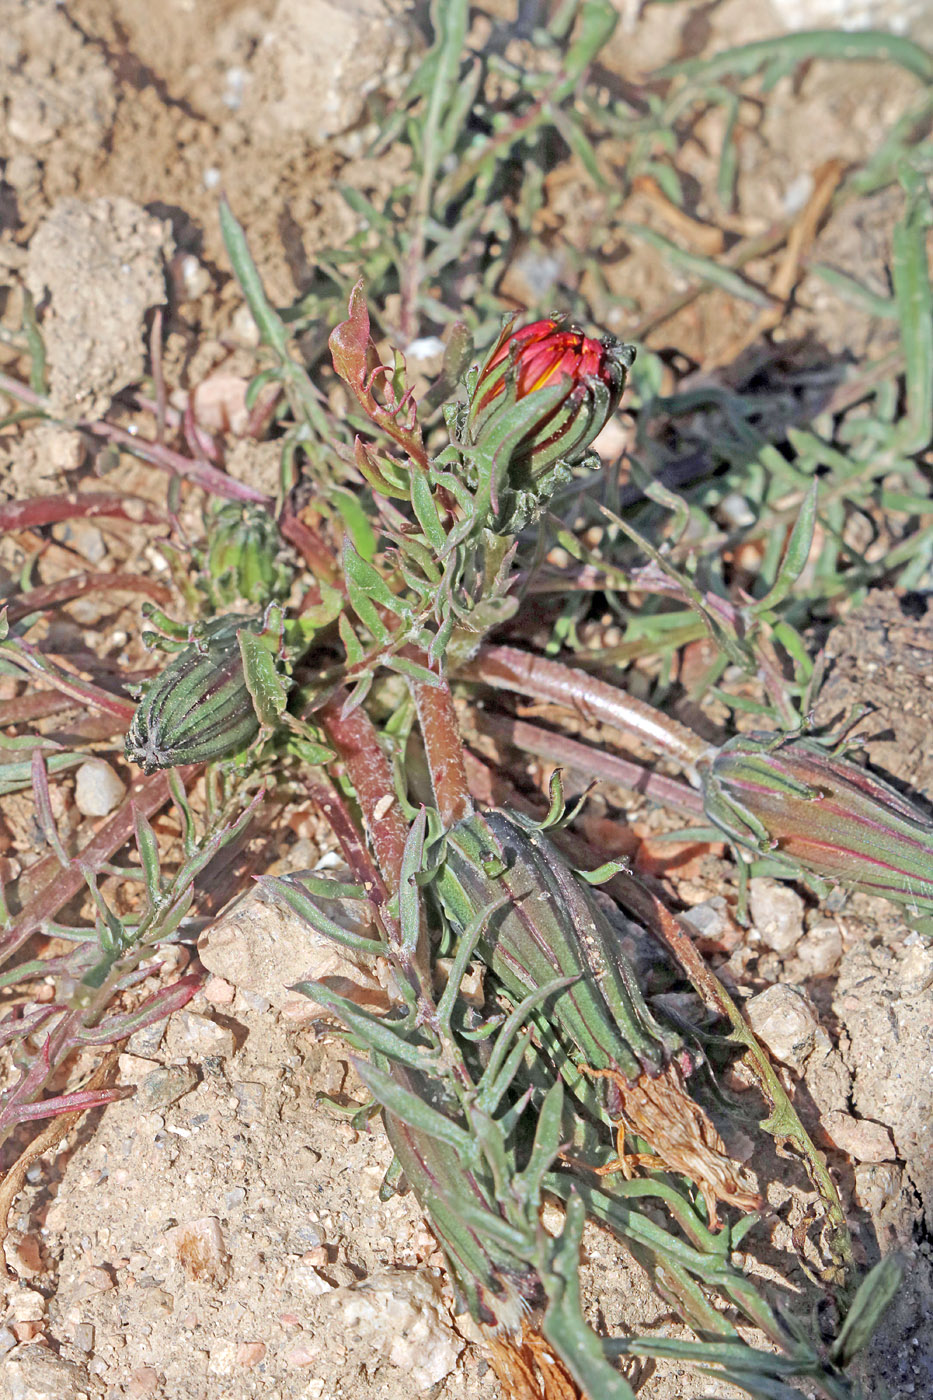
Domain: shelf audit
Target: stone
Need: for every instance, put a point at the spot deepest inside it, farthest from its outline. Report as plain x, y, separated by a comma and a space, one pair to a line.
777, 913
319, 61
262, 949
100, 263
860, 1138
877, 1183
37, 1373
249, 1354
709, 919
399, 1318
164, 1086
784, 1020
251, 1101
80, 535
820, 949
189, 1036
98, 789
915, 972
200, 1248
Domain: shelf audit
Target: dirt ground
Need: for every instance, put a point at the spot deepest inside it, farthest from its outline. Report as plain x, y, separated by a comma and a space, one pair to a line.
222, 1232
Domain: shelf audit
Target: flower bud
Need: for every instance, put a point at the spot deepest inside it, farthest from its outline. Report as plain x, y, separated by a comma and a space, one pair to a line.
600, 1026
199, 708
794, 801
243, 556
576, 384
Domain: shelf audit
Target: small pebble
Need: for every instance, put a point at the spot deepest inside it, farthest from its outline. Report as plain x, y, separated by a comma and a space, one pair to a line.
218, 992
143, 1381
98, 789
784, 1020
84, 1336
38, 1373
81, 536
194, 277
861, 1139
98, 1280
777, 913
200, 1249
191, 1036
251, 1101
915, 973
250, 1353
820, 950
165, 1086
708, 920
877, 1183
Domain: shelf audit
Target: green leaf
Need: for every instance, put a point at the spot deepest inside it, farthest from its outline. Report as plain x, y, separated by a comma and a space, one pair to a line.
356, 520
148, 847
267, 687
270, 324
375, 1032
413, 1110
875, 1294
795, 556
422, 501
290, 890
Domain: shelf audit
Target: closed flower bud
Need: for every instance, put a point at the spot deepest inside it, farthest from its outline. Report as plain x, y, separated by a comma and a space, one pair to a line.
795, 801
199, 708
541, 397
552, 927
243, 557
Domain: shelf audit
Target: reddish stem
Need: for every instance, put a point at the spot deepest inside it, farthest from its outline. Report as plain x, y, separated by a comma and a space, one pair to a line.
330, 802
355, 740
83, 691
443, 745
50, 594
545, 743
84, 505
59, 886
507, 668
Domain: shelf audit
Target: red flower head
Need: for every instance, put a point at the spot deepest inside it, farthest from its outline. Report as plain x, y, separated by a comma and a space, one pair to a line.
543, 356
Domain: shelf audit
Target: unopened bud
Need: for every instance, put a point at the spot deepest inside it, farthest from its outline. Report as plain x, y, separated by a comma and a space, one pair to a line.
796, 801
199, 708
578, 383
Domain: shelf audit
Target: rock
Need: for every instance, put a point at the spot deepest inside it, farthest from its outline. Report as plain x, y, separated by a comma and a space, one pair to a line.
144, 1381
249, 1354
777, 913
708, 920
189, 1036
251, 1101
53, 82
100, 263
783, 1018
398, 1317
36, 1373
861, 1139
263, 948
98, 789
319, 61
876, 1183
200, 1249
889, 1052
820, 949
915, 972
164, 1086
80, 535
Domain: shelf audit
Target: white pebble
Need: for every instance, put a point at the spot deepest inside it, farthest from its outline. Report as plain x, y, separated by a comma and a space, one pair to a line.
777, 912
98, 789
784, 1020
